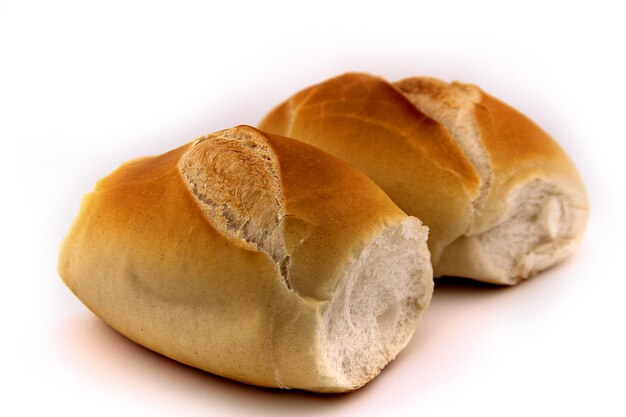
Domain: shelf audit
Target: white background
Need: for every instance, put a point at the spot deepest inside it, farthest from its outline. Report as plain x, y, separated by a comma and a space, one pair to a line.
85, 86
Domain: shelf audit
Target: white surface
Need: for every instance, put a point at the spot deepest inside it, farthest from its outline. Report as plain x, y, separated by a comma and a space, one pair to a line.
87, 85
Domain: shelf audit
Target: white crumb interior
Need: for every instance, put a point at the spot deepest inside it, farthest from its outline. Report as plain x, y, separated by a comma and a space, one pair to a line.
538, 221
375, 311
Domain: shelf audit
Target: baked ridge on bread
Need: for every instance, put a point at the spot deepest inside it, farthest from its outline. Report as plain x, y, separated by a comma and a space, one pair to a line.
255, 257
500, 196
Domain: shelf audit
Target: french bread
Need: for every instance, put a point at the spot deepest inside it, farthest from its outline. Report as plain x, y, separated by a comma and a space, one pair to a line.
501, 198
255, 257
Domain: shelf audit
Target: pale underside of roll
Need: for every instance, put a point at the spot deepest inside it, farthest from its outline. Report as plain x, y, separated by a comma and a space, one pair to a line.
254, 257
500, 196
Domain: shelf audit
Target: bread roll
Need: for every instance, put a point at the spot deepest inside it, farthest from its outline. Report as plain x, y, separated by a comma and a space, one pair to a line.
254, 257
501, 198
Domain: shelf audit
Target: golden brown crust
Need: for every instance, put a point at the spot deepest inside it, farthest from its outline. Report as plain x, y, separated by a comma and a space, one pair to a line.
514, 141
364, 120
520, 151
367, 98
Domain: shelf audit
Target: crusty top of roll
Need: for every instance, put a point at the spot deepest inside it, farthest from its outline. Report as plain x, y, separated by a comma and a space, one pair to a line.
475, 170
